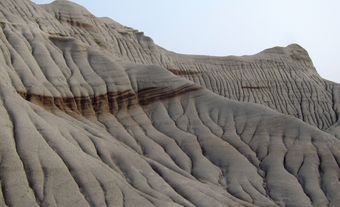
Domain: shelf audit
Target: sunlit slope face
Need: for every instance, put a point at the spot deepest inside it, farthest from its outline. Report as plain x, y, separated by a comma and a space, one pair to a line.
95, 114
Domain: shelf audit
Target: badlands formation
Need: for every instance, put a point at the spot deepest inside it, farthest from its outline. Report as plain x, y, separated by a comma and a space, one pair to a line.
93, 113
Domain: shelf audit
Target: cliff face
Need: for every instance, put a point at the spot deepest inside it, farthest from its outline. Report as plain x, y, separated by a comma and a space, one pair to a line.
94, 113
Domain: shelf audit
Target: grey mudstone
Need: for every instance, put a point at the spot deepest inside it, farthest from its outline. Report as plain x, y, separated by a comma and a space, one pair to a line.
93, 113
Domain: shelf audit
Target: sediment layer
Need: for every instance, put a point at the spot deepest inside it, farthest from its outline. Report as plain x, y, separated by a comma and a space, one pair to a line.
94, 113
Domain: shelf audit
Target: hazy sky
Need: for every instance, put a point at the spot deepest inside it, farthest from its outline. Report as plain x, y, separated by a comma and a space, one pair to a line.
233, 27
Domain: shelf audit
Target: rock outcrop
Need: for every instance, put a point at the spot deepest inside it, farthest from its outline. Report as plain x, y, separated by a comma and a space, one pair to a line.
94, 113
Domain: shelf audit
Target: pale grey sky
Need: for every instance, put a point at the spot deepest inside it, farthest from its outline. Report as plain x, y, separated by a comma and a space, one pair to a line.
233, 27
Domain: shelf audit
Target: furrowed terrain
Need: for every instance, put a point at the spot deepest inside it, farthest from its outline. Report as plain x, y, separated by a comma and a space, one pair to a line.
94, 113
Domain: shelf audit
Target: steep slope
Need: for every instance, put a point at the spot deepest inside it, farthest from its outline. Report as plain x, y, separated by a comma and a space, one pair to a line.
283, 79
95, 114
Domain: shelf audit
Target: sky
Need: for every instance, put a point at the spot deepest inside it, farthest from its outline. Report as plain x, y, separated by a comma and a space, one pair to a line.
233, 27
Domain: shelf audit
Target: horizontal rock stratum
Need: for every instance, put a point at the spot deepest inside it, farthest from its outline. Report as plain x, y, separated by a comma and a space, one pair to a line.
93, 113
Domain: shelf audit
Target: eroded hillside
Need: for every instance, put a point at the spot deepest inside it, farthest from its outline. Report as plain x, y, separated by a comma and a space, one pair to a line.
94, 113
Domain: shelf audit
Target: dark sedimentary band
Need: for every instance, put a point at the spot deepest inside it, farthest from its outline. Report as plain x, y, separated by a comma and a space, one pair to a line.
111, 102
